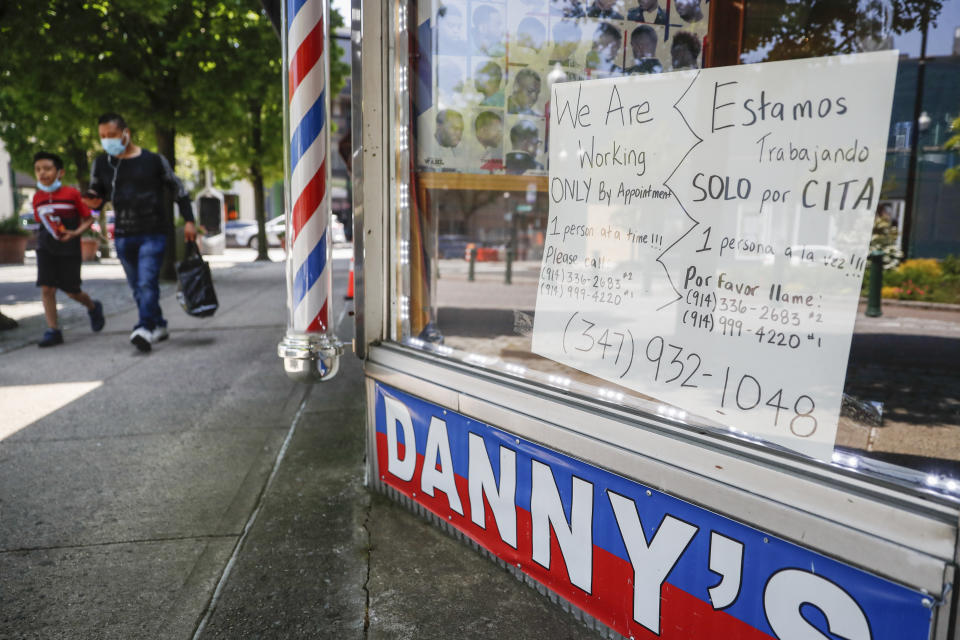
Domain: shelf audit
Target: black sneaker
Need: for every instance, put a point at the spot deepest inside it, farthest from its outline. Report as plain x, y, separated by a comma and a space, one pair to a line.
51, 337
140, 338
96, 316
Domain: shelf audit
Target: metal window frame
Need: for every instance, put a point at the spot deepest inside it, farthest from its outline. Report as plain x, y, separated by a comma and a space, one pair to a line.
370, 169
888, 530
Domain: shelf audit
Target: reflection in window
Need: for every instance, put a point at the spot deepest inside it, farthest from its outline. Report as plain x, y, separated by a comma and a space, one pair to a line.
479, 209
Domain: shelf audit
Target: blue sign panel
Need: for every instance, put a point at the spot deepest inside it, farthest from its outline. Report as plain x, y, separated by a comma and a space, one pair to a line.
644, 563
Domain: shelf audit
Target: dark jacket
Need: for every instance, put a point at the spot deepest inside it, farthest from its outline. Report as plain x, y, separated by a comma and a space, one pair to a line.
520, 162
136, 186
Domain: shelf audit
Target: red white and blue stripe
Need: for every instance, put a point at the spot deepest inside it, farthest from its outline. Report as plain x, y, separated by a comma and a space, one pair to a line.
686, 608
308, 220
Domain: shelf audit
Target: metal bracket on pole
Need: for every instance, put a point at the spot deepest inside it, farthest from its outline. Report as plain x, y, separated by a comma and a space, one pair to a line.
310, 358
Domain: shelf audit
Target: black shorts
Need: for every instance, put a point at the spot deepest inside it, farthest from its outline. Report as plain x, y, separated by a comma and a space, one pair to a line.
62, 272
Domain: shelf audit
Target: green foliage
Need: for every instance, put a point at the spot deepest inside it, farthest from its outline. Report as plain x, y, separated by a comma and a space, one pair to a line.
339, 70
885, 238
72, 60
237, 116
48, 80
787, 29
951, 265
925, 279
11, 227
207, 69
952, 175
922, 272
239, 133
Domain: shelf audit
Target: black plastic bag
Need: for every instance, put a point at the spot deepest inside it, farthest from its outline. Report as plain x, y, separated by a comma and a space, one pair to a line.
195, 284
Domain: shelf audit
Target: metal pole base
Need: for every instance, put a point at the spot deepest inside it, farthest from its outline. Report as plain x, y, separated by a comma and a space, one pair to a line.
310, 358
874, 296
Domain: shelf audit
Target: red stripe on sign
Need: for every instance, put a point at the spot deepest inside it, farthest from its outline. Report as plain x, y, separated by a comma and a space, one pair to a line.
310, 198
306, 56
320, 323
682, 615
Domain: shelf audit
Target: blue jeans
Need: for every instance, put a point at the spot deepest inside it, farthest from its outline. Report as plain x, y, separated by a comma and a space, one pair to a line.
141, 257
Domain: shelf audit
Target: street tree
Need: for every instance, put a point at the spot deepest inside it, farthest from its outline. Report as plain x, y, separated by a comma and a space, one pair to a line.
786, 29
207, 69
241, 136
73, 59
49, 84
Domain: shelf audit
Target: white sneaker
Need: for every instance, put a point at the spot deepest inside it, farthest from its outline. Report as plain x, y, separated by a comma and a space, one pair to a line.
159, 334
140, 338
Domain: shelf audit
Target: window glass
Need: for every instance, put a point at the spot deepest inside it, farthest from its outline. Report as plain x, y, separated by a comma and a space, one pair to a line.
943, 38
473, 204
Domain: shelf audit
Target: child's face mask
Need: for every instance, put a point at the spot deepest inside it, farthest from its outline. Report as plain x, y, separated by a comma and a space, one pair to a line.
49, 188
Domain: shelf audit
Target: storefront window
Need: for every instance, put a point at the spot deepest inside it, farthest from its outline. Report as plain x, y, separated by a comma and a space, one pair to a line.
473, 197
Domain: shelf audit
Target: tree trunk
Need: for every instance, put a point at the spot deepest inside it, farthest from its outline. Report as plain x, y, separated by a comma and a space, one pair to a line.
81, 161
78, 154
165, 147
256, 175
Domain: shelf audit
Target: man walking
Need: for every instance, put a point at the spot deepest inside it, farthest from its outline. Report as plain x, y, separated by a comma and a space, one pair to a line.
133, 179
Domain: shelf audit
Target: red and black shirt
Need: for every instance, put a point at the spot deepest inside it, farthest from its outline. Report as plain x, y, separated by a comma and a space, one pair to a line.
59, 211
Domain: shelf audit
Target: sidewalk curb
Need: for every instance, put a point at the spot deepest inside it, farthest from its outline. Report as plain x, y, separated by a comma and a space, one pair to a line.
916, 304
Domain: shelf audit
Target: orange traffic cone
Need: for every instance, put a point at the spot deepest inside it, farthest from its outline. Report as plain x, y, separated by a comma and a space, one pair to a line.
349, 295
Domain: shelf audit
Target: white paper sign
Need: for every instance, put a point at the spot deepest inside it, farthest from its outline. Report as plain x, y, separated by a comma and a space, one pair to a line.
708, 234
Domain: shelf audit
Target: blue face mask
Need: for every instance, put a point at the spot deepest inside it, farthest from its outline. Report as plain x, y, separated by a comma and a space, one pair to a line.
113, 146
49, 188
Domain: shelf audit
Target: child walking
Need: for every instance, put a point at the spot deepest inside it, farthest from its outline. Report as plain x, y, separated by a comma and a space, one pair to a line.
63, 218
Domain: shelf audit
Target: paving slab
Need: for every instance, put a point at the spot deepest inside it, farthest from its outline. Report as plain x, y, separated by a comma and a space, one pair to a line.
123, 500
327, 558
98, 491
168, 493
301, 571
154, 589
197, 379
426, 584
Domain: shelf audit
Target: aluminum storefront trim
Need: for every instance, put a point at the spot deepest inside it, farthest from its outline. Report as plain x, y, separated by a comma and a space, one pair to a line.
846, 518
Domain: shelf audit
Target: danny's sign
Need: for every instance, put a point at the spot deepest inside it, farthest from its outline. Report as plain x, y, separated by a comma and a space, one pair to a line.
646, 564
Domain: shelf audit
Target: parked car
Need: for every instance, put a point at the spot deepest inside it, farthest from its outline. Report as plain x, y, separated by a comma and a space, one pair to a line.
451, 246
235, 227
245, 234
337, 234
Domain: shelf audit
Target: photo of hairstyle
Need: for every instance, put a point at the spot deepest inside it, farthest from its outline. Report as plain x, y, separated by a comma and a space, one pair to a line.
685, 51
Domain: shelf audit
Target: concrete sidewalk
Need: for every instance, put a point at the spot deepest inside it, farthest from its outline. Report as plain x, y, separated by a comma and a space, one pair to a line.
103, 280
194, 492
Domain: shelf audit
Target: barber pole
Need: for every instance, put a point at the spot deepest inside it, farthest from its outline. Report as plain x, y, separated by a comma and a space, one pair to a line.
310, 348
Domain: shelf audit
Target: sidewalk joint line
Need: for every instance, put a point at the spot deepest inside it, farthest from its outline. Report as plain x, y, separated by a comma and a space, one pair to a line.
119, 542
343, 313
144, 434
248, 526
366, 579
